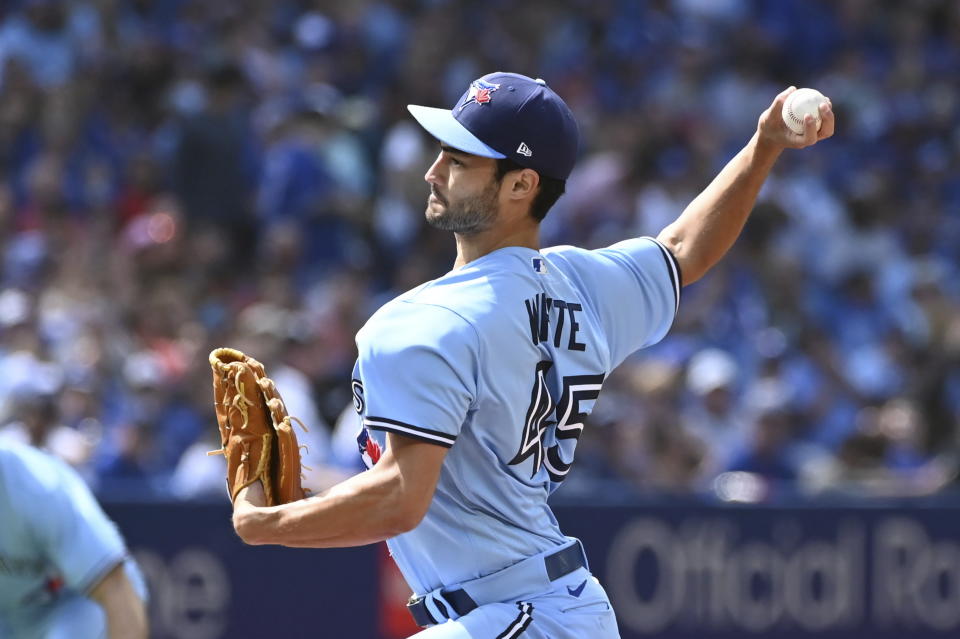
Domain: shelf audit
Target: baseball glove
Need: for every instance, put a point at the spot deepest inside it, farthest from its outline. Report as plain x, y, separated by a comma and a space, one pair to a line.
256, 434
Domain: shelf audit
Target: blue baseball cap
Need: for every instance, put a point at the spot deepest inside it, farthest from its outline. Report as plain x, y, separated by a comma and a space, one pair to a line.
508, 115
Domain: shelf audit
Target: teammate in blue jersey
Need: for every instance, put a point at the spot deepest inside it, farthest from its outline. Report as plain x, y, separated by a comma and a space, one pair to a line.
474, 388
64, 569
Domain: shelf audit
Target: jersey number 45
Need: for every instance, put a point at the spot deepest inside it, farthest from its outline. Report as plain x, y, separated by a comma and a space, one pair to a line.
565, 415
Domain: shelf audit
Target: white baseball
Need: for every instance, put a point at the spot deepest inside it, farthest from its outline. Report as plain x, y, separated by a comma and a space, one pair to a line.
800, 103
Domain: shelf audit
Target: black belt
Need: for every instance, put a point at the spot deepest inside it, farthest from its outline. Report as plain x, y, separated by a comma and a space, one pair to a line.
559, 564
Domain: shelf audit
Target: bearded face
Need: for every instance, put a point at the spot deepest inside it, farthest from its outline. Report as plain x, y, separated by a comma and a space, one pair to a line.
464, 213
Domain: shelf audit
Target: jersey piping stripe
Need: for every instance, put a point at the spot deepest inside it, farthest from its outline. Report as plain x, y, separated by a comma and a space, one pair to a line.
425, 434
673, 268
518, 625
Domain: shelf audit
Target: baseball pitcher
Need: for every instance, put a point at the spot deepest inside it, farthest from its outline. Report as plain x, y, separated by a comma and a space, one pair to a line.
474, 388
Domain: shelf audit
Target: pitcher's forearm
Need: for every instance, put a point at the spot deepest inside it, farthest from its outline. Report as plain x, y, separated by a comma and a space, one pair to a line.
710, 224
708, 227
375, 505
361, 510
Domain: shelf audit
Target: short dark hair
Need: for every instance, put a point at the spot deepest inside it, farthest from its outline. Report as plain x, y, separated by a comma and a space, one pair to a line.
550, 188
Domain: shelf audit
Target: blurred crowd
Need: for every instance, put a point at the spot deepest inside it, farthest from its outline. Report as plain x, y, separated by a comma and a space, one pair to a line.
178, 175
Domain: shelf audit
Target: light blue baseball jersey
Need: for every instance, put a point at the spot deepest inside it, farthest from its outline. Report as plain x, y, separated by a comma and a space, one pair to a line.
56, 543
501, 361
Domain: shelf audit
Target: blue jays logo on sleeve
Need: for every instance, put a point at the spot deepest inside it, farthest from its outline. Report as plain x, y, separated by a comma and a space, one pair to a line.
480, 93
370, 450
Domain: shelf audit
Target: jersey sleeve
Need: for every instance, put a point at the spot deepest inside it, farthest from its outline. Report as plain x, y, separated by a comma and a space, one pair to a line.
419, 368
634, 286
65, 518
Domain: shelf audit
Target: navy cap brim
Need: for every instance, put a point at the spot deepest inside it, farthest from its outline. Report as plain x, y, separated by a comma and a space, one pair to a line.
441, 124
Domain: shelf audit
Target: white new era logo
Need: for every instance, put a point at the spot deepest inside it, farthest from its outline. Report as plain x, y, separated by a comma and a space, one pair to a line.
523, 149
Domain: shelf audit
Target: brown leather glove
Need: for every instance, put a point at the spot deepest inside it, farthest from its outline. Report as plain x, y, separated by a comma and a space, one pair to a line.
256, 434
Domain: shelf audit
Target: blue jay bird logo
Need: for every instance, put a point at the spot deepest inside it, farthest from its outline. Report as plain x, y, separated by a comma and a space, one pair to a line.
370, 450
480, 93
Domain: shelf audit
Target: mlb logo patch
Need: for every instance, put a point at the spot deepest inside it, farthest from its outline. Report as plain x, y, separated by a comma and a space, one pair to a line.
539, 265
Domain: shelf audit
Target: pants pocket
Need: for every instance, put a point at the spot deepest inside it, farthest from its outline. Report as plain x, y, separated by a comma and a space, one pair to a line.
588, 607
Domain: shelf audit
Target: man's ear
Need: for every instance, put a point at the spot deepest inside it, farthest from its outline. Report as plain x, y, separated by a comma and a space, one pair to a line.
524, 184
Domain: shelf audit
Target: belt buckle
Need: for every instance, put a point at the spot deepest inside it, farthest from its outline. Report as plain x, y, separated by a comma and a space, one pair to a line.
417, 606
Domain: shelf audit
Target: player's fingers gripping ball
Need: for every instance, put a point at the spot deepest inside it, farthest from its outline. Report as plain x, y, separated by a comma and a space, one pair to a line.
256, 434
800, 103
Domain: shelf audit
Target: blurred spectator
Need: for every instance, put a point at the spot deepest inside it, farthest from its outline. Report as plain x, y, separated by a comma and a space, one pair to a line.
887, 456
34, 422
766, 453
47, 37
216, 156
712, 417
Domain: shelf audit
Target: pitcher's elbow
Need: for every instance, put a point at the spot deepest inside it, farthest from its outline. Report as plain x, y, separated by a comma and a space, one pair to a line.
404, 523
248, 528
405, 518
692, 266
